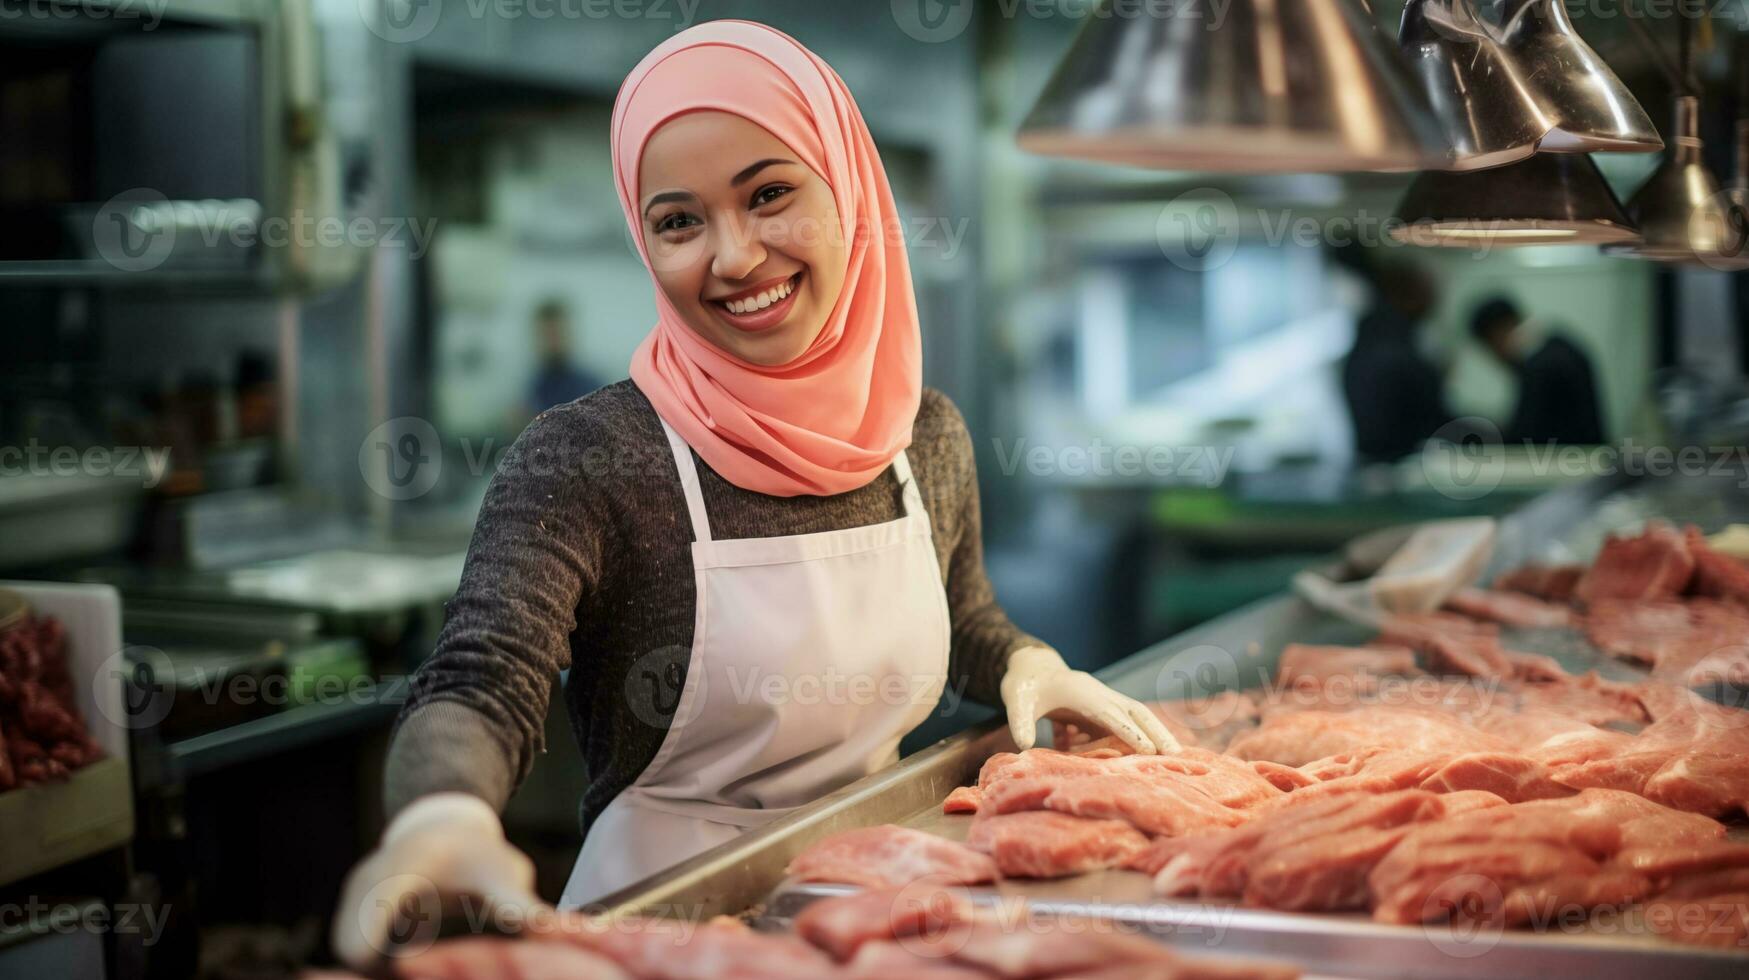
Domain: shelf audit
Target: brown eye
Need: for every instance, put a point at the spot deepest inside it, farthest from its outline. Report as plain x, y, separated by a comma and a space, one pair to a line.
770, 192
678, 221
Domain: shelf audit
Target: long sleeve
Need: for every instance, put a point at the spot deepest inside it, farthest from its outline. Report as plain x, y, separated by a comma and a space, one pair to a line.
983, 636
476, 708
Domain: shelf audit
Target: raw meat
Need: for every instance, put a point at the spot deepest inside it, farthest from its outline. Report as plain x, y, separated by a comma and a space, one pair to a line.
42, 736
841, 926
1221, 778
1451, 643
1154, 806
1507, 864
1553, 583
1306, 666
875, 857
1691, 759
1209, 723
1214, 721
507, 959
964, 799
1672, 637
1308, 736
1046, 844
1322, 865
1015, 950
1715, 575
1656, 564
1301, 855
671, 949
1587, 698
932, 933
1512, 777
886, 960
1371, 770
1510, 608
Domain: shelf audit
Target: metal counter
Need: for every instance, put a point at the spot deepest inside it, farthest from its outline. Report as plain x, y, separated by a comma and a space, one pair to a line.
1240, 651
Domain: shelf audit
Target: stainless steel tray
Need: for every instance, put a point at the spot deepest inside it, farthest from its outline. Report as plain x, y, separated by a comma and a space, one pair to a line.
1612, 947
1235, 652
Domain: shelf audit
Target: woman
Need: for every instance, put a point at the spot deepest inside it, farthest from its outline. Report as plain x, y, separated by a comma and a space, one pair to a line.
759, 557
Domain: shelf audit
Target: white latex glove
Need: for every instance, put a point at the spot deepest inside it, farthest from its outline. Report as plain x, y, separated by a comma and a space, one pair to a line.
441, 849
1039, 685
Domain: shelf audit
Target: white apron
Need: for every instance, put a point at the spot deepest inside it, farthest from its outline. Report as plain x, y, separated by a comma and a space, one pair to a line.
812, 655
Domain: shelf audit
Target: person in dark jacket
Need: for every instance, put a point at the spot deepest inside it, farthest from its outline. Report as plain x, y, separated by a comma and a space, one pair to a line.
1395, 397
1557, 389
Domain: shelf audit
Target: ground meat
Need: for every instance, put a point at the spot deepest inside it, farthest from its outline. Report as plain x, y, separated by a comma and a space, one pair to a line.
42, 736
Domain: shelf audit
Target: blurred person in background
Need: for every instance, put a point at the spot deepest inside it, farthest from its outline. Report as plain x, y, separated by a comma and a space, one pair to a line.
557, 379
1557, 389
1395, 396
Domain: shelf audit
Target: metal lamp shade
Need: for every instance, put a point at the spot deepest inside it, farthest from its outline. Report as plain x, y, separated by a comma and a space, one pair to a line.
1683, 214
1490, 115
1589, 108
1275, 86
1530, 86
1547, 199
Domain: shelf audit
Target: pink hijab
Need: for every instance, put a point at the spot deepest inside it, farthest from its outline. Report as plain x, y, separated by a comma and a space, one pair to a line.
832, 419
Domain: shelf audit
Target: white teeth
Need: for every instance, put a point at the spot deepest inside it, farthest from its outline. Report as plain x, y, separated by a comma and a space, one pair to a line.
755, 303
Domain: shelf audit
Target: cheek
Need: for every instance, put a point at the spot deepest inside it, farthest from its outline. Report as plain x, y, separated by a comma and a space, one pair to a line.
679, 270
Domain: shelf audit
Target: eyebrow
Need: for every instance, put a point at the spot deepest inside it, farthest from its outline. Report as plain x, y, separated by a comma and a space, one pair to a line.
666, 196
746, 174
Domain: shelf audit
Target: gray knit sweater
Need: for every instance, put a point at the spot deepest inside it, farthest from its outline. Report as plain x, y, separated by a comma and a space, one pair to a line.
581, 559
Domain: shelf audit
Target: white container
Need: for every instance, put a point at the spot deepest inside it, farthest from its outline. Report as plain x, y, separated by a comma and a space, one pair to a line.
52, 824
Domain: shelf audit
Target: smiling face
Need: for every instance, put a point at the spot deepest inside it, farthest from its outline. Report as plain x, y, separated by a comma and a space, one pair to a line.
743, 238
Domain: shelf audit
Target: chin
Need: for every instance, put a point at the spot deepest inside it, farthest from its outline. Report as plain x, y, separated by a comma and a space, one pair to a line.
771, 348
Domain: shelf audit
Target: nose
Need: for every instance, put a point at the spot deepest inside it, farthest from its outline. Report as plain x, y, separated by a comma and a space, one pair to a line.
738, 250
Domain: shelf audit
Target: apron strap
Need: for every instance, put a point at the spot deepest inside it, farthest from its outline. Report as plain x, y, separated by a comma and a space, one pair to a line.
701, 525
908, 485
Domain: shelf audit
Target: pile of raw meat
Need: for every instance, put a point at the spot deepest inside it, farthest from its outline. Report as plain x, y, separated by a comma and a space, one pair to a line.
927, 930
1663, 598
42, 737
1435, 775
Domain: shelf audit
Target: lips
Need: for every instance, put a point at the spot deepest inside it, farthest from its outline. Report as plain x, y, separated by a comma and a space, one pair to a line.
763, 319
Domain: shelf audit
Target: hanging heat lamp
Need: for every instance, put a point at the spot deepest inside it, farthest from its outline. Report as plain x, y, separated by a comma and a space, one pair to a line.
1547, 199
1683, 213
1274, 86
1503, 94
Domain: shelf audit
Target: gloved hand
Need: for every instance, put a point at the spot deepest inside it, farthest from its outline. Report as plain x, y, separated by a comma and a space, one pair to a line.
441, 849
1039, 685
